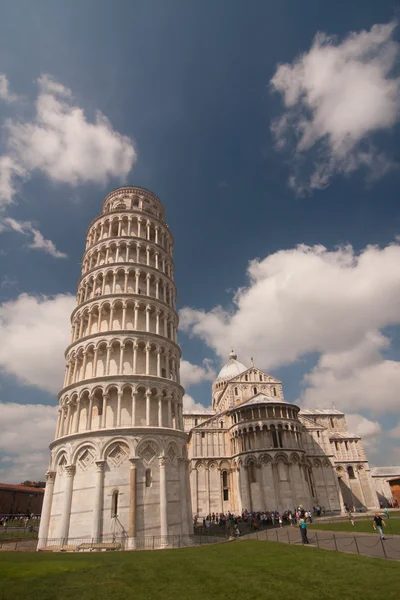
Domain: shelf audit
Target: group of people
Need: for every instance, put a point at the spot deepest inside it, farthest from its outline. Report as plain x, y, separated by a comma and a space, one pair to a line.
17, 520
255, 520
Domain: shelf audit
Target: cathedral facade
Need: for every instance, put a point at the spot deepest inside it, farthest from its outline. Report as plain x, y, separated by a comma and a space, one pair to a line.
254, 451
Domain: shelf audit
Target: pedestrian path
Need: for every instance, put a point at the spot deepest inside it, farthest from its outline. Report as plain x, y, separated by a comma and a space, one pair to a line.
365, 544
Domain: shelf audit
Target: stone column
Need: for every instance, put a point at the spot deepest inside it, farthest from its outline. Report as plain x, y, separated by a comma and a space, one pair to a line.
163, 498
58, 428
68, 418
158, 362
107, 369
239, 490
207, 488
132, 501
134, 360
66, 511
148, 277
124, 316
148, 309
77, 415
195, 493
121, 359
148, 349
160, 410
119, 409
183, 497
133, 416
98, 500
46, 510
84, 363
89, 415
104, 417
135, 323
169, 424
148, 406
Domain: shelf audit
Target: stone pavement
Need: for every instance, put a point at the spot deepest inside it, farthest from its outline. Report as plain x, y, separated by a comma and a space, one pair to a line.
360, 543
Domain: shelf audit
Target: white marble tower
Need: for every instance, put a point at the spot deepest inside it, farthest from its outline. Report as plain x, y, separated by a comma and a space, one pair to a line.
118, 463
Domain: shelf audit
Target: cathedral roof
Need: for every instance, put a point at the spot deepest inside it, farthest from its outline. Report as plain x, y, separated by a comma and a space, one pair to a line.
385, 471
320, 411
261, 398
232, 369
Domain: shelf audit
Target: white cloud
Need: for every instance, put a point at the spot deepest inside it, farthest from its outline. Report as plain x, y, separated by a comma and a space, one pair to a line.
62, 144
10, 171
27, 228
363, 427
311, 300
192, 374
395, 432
36, 331
26, 432
337, 95
191, 406
5, 93
358, 378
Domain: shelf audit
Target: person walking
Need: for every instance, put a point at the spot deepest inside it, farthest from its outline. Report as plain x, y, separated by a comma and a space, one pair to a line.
303, 531
379, 524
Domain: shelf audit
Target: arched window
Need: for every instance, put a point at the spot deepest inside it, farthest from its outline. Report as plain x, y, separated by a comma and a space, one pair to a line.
221, 424
246, 377
274, 437
148, 477
236, 391
332, 423
114, 504
280, 441
254, 390
196, 421
252, 472
274, 391
261, 378
350, 472
225, 485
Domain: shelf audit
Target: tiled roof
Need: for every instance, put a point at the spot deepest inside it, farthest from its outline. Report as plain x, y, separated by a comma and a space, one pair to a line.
20, 488
320, 411
385, 471
338, 435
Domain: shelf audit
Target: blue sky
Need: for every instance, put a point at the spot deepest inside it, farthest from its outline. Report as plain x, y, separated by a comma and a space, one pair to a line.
253, 160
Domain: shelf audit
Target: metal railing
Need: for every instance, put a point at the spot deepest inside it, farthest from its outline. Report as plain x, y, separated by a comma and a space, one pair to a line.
108, 543
362, 544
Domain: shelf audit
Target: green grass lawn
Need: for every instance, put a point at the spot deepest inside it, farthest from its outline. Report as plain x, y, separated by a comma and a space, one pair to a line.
248, 570
360, 525
24, 533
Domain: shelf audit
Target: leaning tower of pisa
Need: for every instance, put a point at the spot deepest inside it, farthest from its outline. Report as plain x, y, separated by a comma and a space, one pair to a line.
118, 464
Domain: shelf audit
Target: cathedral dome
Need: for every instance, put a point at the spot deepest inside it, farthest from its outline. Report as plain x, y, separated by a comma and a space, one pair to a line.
233, 368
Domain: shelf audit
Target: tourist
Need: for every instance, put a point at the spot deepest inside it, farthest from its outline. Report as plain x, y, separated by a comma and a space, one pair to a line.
303, 531
386, 513
379, 524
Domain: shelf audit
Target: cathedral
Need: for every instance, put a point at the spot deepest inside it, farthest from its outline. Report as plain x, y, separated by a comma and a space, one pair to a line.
254, 451
126, 462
